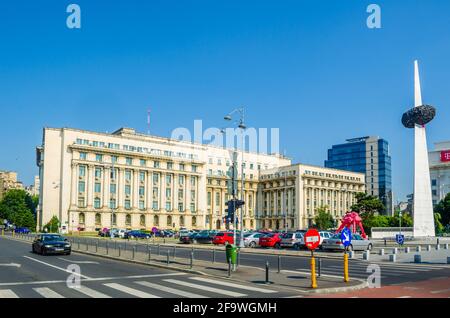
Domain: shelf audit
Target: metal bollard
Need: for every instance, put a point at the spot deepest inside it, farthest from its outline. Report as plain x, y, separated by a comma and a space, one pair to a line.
351, 254
168, 257
229, 267
159, 249
107, 248
96, 247
428, 248
446, 246
119, 250
448, 260
214, 255
382, 252
366, 256
407, 250
87, 245
192, 259
149, 254
392, 258
164, 240
267, 272
320, 266
437, 241
134, 252
394, 251
417, 258
78, 243
418, 249
438, 247
385, 243
238, 256
174, 252
279, 264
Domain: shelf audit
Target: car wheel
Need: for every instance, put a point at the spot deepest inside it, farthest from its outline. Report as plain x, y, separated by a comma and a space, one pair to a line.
369, 248
43, 253
252, 244
296, 247
277, 246
68, 253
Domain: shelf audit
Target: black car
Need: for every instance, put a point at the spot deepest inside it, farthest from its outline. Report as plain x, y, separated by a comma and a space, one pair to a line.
51, 244
205, 237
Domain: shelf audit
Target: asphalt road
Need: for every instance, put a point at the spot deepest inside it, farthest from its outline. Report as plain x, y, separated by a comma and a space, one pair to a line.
27, 275
391, 274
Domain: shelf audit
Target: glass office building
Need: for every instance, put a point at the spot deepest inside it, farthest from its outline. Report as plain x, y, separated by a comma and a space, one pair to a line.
369, 155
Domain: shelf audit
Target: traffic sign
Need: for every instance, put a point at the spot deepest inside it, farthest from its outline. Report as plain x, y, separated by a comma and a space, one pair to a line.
400, 239
312, 239
346, 237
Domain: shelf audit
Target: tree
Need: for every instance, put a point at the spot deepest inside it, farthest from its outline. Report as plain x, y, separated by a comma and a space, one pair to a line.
15, 209
367, 205
323, 220
53, 225
437, 223
443, 209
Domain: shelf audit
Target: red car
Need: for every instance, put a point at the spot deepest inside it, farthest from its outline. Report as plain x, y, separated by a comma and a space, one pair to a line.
223, 238
270, 240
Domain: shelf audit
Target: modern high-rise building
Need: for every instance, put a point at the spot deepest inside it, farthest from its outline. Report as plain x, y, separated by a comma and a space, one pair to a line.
440, 171
368, 155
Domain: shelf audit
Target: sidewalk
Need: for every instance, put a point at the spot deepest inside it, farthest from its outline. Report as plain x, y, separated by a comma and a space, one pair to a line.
288, 280
433, 256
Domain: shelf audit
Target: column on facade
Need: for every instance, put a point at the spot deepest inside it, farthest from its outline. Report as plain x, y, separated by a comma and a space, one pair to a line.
74, 193
148, 198
106, 186
120, 189
135, 191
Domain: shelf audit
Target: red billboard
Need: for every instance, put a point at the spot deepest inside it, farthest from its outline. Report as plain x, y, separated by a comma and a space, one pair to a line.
445, 156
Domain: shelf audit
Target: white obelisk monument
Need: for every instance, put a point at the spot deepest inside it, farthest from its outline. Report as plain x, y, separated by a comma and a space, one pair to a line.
423, 205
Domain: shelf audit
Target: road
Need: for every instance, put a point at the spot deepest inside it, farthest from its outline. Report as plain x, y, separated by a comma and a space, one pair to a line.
27, 275
391, 274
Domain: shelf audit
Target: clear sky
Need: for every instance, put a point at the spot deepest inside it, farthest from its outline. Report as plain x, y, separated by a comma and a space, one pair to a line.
311, 68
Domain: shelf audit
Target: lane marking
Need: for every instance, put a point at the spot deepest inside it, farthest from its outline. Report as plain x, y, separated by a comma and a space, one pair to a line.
78, 262
7, 293
47, 292
203, 287
130, 291
11, 265
90, 292
170, 290
251, 288
56, 267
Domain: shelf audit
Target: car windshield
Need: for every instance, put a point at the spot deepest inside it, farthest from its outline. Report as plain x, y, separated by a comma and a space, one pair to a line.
288, 235
219, 234
52, 238
336, 236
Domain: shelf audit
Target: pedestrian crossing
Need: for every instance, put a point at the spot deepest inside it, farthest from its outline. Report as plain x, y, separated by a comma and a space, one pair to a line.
359, 269
182, 287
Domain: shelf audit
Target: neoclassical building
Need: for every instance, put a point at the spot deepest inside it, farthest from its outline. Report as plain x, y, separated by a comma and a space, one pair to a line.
135, 181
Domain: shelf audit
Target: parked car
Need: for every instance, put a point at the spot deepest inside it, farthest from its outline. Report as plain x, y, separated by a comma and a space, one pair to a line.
271, 240
252, 239
324, 235
294, 240
223, 238
51, 244
358, 243
136, 234
22, 230
205, 237
187, 236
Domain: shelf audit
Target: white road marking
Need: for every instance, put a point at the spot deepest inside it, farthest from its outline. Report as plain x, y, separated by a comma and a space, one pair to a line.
130, 291
47, 292
170, 290
7, 293
10, 265
60, 268
78, 262
90, 292
203, 287
217, 282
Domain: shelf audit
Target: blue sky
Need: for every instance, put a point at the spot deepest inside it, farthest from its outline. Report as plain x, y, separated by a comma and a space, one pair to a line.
311, 68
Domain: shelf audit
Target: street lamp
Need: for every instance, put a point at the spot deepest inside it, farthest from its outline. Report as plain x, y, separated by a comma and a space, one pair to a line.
241, 126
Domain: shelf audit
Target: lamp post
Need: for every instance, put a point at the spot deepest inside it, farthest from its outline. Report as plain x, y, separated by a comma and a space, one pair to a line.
242, 126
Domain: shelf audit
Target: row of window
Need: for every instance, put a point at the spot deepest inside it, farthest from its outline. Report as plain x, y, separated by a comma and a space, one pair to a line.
142, 205
142, 220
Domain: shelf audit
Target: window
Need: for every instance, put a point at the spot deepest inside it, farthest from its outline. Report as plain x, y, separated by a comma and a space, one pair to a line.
168, 180
194, 168
169, 194
169, 221
193, 181
156, 164
128, 190
180, 194
181, 180
83, 156
98, 172
114, 159
182, 167
129, 161
81, 186
217, 199
81, 203
156, 220
180, 207
98, 158
142, 220
141, 205
181, 220
155, 178
143, 162
127, 204
170, 165
434, 192
81, 218
128, 220
141, 191
209, 198
112, 204
434, 182
168, 206
155, 193
114, 219
128, 175
155, 205
194, 221
98, 219
113, 174
192, 195
97, 203
98, 188
82, 171
142, 176
112, 188
193, 207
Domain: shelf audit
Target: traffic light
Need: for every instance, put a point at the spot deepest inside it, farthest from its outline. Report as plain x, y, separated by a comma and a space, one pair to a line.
233, 205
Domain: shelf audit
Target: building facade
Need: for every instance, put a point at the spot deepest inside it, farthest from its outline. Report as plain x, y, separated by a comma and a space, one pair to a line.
439, 159
93, 180
368, 155
8, 181
289, 197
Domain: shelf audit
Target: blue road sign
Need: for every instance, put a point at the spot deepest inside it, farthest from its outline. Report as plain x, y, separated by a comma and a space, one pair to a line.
400, 239
346, 237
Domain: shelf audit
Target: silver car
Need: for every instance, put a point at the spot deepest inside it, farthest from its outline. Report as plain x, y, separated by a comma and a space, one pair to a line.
252, 239
294, 240
357, 244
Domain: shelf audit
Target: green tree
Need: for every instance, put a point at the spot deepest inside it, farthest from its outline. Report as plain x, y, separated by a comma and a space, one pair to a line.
53, 225
323, 220
443, 209
367, 206
437, 223
15, 209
